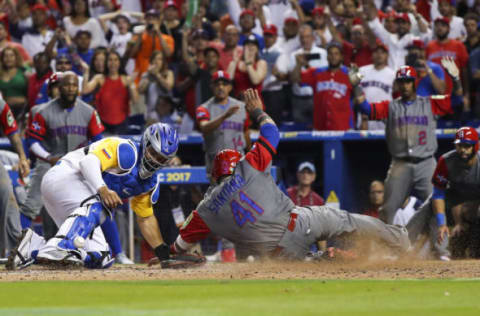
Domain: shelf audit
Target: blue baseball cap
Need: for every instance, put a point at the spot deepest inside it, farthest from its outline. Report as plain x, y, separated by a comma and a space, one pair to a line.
306, 165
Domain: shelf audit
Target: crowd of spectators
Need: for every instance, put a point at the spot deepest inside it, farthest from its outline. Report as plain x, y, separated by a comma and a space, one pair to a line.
154, 58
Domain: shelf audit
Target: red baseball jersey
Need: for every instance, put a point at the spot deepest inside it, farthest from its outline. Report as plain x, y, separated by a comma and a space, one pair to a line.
435, 51
332, 90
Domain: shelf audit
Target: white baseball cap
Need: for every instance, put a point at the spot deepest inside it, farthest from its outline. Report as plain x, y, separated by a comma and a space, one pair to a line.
307, 165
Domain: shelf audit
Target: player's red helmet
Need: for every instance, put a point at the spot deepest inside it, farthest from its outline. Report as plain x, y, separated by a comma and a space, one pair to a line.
225, 162
467, 135
406, 73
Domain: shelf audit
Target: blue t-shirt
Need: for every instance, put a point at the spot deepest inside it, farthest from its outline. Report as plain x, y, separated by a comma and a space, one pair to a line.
86, 57
425, 87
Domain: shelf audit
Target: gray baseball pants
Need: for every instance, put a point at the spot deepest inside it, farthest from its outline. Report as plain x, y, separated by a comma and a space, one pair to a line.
403, 178
424, 221
316, 223
10, 229
32, 205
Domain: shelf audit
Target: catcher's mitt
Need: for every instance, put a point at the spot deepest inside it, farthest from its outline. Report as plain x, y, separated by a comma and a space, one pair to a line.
180, 261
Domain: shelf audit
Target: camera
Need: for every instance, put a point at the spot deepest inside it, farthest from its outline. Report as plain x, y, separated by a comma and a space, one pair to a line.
412, 61
312, 56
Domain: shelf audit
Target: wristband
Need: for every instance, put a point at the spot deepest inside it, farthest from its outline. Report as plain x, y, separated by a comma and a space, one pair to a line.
441, 219
255, 114
162, 252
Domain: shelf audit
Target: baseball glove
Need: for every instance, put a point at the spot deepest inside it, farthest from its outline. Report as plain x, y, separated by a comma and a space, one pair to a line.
180, 261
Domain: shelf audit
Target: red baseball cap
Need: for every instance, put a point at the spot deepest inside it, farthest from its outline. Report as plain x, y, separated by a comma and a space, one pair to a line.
416, 43
39, 7
403, 16
247, 12
270, 29
170, 3
318, 11
452, 2
443, 19
380, 44
291, 19
221, 75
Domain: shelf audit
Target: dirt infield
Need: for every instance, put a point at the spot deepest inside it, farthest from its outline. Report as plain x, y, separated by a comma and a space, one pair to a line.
262, 270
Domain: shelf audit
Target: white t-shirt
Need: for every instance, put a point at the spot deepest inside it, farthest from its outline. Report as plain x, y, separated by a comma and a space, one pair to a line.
300, 90
35, 43
377, 86
119, 43
271, 56
92, 25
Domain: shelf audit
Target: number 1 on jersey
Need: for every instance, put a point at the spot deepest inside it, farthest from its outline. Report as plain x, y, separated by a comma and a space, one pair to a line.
242, 214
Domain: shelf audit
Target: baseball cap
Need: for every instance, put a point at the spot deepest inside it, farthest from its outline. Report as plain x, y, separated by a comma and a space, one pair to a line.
247, 12
82, 32
403, 16
270, 29
170, 3
251, 39
416, 43
221, 75
122, 15
290, 19
381, 45
443, 19
452, 2
200, 33
152, 12
39, 7
306, 165
318, 11
63, 56
212, 49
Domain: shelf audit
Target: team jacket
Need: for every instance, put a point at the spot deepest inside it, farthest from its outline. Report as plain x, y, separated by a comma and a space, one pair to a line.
7, 120
247, 208
410, 128
455, 176
119, 160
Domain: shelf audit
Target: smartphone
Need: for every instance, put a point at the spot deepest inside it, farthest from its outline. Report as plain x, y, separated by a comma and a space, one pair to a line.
312, 56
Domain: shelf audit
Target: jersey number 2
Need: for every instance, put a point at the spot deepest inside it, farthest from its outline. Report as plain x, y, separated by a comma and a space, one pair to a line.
422, 138
242, 214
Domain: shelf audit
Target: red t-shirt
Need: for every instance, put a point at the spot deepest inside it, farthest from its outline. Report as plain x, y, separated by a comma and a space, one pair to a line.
373, 212
34, 85
435, 51
362, 56
312, 198
332, 109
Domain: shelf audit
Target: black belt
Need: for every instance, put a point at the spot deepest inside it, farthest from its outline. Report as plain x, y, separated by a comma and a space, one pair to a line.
413, 159
303, 97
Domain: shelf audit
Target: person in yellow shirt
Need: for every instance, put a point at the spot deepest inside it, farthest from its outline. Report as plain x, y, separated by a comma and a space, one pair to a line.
82, 188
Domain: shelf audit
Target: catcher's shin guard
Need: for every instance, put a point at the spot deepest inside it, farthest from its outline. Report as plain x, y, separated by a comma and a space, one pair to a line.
79, 225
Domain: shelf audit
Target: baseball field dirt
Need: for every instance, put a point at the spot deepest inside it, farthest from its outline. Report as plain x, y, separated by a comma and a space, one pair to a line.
258, 288
265, 270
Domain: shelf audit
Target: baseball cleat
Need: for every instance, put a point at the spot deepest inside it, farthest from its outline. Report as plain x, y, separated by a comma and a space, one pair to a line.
20, 257
121, 258
60, 258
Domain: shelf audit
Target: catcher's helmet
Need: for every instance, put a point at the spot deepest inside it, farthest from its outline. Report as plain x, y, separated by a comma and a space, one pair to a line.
225, 162
159, 146
406, 73
467, 135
